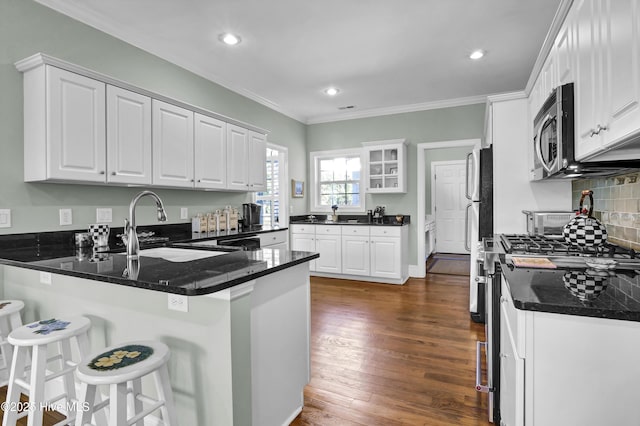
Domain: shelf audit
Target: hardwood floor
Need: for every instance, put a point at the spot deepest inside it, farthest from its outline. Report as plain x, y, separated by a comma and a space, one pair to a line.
50, 417
392, 355
389, 355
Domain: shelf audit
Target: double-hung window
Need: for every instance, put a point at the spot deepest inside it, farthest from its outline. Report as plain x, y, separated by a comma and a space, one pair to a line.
337, 180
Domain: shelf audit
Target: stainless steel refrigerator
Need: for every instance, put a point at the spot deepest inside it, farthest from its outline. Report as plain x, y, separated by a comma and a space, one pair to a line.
479, 223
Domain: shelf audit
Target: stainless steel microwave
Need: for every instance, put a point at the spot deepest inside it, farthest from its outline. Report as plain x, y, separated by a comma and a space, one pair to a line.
554, 143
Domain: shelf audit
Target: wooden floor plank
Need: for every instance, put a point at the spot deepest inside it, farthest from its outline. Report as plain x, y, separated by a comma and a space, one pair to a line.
393, 355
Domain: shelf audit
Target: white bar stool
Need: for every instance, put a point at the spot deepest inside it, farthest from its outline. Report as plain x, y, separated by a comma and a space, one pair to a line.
36, 337
9, 320
122, 368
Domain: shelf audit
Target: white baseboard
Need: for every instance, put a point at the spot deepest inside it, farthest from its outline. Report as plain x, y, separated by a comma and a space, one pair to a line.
292, 416
414, 272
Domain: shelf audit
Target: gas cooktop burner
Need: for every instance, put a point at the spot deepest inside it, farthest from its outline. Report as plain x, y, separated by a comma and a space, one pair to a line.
541, 245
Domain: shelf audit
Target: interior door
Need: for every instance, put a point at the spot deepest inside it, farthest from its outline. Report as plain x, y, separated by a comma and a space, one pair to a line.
450, 204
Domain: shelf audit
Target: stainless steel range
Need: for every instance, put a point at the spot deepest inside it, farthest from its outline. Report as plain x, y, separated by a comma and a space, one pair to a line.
607, 260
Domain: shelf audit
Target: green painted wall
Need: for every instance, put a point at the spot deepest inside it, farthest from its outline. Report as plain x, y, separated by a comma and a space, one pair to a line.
27, 28
465, 122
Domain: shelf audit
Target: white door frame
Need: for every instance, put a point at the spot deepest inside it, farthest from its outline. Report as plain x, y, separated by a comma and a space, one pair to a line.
433, 192
422, 148
284, 189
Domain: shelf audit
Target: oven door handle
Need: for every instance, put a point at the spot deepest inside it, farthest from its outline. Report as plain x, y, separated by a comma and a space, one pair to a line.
479, 386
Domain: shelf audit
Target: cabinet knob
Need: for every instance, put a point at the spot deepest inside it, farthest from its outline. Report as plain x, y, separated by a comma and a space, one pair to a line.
199, 180
101, 172
192, 180
113, 173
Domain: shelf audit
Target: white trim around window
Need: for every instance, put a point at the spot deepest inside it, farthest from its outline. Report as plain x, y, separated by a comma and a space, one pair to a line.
314, 184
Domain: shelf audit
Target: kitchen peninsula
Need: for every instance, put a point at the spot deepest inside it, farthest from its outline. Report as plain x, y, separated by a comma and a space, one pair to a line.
237, 323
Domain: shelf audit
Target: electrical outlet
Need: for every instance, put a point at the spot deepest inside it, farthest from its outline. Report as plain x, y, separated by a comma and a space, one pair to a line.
184, 213
45, 278
66, 217
5, 218
178, 302
104, 215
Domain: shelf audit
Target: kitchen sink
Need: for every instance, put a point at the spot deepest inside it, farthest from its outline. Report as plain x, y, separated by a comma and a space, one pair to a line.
178, 254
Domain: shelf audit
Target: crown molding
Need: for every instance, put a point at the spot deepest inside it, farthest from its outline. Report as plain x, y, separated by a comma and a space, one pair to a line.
510, 96
375, 112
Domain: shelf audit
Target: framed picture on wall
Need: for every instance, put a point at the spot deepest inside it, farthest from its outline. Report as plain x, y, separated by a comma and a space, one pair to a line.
297, 188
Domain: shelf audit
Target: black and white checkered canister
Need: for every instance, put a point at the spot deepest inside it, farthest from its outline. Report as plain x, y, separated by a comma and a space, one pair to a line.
585, 231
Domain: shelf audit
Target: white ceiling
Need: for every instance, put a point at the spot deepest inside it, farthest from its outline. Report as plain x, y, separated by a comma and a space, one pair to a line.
384, 55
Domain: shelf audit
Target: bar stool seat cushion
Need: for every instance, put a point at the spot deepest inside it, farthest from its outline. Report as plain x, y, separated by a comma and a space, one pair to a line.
48, 331
123, 362
8, 307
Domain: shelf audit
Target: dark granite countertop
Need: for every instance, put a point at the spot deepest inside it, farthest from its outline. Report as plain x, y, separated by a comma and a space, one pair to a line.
54, 252
562, 291
387, 220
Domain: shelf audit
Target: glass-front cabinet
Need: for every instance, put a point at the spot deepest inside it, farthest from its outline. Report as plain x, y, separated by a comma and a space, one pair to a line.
386, 166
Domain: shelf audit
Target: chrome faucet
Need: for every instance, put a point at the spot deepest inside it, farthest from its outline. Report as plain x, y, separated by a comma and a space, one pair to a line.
130, 237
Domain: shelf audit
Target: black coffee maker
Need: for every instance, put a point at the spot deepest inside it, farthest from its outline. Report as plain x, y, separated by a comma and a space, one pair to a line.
251, 216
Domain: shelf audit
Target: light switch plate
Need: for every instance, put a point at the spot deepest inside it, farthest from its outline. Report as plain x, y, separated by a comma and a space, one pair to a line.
66, 217
5, 218
184, 213
45, 278
178, 302
104, 215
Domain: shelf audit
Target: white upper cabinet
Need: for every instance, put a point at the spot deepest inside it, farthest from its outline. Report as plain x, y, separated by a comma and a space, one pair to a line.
564, 48
172, 145
608, 77
128, 137
587, 93
386, 168
84, 127
210, 152
246, 159
257, 161
621, 83
64, 132
237, 154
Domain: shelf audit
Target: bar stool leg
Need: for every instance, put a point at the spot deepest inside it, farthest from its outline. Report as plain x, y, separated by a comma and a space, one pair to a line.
36, 394
100, 418
118, 402
163, 386
136, 404
87, 393
13, 392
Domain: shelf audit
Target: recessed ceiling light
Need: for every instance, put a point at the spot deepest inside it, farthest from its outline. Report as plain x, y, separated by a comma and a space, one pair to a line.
331, 91
476, 54
230, 39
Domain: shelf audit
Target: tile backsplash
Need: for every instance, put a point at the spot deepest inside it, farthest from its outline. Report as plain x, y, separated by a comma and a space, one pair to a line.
616, 203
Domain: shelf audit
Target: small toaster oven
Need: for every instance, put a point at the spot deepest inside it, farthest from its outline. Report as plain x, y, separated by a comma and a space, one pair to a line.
548, 223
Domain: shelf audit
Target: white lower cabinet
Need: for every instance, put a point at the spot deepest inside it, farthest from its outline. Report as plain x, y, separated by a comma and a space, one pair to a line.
560, 369
303, 238
356, 249
376, 253
329, 246
386, 252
